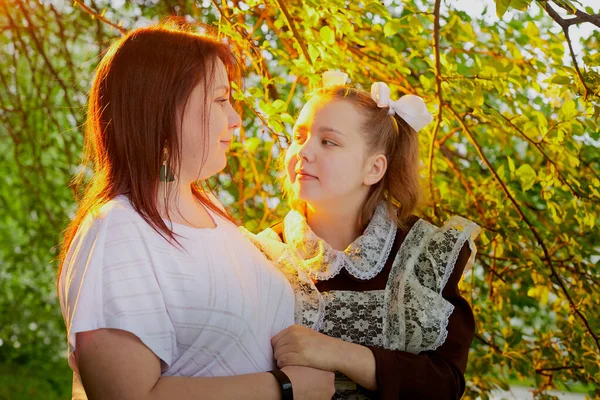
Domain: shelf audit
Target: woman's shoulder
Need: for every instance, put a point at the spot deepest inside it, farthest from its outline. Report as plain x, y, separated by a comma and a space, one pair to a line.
118, 208
115, 215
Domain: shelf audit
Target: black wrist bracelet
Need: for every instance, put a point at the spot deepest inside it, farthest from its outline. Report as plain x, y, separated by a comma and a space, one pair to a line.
284, 383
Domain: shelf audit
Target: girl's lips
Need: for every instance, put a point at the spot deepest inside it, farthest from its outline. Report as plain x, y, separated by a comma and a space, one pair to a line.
305, 177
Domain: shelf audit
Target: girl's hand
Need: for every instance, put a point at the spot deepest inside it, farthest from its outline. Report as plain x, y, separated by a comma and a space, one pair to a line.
298, 345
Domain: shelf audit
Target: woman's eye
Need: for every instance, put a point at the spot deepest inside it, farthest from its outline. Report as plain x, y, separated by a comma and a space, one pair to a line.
328, 142
222, 101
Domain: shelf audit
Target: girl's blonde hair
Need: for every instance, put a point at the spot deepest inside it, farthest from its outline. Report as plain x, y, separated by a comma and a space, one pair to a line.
399, 188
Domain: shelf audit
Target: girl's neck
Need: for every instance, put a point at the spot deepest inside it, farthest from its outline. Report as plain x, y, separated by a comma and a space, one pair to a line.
338, 226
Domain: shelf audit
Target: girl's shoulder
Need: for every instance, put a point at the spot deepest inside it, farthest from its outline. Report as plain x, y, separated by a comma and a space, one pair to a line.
455, 226
438, 248
269, 241
277, 228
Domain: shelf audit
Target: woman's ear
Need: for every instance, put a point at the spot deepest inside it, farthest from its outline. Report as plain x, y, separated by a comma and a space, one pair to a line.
375, 169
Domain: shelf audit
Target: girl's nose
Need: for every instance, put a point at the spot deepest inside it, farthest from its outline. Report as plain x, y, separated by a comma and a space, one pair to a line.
306, 152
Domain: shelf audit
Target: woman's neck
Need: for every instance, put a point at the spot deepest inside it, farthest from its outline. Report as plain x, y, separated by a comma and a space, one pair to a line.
337, 226
181, 205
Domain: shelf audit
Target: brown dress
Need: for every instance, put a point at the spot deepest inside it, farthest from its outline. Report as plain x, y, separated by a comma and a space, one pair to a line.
435, 374
392, 290
351, 314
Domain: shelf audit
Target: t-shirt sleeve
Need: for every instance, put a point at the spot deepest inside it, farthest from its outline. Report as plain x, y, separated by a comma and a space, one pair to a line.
109, 280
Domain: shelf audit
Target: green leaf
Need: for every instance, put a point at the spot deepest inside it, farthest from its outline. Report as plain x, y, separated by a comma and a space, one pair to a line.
520, 5
511, 165
313, 52
285, 117
561, 80
279, 105
573, 161
569, 109
279, 23
592, 60
526, 176
501, 7
327, 35
266, 108
392, 27
251, 144
501, 172
276, 125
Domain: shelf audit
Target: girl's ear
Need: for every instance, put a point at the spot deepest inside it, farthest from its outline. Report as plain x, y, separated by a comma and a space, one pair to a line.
375, 169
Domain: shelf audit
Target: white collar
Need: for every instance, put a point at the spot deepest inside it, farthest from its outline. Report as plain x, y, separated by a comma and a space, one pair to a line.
363, 259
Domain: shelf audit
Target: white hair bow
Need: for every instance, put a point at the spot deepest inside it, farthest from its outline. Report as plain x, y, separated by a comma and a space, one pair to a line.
334, 78
411, 108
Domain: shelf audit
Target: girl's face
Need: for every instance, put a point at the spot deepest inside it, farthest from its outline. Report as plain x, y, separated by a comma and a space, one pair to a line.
207, 151
327, 162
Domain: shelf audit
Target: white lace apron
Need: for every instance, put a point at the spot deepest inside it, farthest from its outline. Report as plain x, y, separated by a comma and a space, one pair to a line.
410, 314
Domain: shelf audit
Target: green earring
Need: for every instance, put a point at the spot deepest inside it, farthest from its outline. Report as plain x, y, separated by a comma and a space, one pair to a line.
166, 173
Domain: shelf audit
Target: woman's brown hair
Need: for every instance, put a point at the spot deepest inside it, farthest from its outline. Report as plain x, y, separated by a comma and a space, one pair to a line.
135, 110
399, 188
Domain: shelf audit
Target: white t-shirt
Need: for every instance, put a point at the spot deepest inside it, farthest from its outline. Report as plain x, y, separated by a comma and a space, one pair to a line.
209, 310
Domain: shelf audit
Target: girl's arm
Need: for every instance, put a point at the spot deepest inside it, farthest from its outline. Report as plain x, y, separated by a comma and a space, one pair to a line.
115, 364
358, 363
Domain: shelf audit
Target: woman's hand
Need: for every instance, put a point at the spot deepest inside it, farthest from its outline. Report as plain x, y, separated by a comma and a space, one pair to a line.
298, 345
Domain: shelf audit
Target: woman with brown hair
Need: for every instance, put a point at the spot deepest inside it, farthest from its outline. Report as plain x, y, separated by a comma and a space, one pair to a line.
162, 296
376, 287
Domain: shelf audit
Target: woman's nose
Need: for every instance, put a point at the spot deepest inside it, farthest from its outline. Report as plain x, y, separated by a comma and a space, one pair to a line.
234, 119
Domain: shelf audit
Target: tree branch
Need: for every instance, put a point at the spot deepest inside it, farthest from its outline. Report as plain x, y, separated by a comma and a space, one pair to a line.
573, 191
100, 17
261, 67
438, 80
493, 346
565, 24
290, 22
382, 73
580, 16
539, 370
492, 269
463, 181
537, 236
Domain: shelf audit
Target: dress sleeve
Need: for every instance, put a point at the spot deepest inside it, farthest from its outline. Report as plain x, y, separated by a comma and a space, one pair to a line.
109, 280
268, 242
435, 374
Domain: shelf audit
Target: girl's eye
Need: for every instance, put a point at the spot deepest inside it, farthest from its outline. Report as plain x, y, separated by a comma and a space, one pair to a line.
222, 101
328, 142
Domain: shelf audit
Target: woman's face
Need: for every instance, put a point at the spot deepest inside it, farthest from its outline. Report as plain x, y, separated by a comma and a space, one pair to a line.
327, 161
203, 154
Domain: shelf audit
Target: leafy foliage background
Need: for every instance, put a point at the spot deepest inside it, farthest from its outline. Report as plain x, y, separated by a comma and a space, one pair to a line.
513, 146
